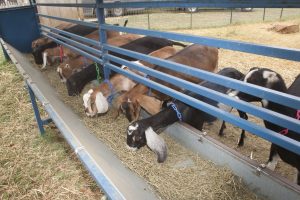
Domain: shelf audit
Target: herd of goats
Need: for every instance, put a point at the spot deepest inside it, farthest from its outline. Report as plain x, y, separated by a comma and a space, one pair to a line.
126, 96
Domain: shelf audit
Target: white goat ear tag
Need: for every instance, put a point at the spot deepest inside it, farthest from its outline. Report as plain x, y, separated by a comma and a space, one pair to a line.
101, 103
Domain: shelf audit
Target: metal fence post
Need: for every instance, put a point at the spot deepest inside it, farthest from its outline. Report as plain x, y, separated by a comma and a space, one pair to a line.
148, 15
36, 111
231, 16
102, 34
281, 13
191, 20
264, 14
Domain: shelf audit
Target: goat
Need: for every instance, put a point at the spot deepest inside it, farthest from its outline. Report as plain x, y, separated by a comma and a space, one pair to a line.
116, 84
43, 43
272, 80
142, 132
144, 45
196, 56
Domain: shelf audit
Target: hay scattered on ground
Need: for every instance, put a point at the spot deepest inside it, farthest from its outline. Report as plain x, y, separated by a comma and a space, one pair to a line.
259, 34
31, 166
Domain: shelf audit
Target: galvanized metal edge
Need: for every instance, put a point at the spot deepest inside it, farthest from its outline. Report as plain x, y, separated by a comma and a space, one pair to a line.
117, 181
263, 182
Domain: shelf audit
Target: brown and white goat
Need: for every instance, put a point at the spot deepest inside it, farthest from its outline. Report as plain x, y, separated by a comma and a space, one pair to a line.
196, 56
95, 100
70, 66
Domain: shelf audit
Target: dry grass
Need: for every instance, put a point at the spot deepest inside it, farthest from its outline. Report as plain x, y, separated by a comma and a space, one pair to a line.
255, 33
184, 175
31, 166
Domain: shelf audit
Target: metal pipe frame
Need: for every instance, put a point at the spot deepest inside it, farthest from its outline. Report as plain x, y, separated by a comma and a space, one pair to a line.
263, 113
267, 134
72, 35
278, 97
37, 115
89, 24
83, 53
264, 50
187, 3
74, 43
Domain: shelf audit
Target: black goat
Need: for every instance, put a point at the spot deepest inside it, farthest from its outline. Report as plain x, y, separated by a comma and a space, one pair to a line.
76, 29
144, 45
272, 80
142, 132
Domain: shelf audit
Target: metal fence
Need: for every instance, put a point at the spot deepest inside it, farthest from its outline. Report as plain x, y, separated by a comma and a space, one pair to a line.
13, 3
181, 18
102, 57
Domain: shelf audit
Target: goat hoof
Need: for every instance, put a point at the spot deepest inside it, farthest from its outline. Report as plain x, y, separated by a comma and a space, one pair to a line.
263, 166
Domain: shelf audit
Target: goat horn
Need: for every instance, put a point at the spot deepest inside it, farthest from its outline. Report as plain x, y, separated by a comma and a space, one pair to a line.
156, 144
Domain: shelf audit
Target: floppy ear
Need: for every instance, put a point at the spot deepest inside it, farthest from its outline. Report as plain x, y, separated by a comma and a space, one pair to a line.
156, 144
150, 104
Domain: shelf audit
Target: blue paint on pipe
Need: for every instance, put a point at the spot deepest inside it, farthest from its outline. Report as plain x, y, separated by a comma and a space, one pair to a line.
19, 27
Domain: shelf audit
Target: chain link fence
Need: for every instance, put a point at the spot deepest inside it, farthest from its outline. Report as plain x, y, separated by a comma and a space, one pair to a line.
13, 3
192, 18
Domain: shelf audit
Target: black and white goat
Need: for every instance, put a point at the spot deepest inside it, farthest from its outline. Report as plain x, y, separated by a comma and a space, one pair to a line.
272, 80
142, 132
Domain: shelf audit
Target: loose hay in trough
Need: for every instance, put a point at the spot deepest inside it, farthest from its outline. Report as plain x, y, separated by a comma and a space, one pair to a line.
185, 175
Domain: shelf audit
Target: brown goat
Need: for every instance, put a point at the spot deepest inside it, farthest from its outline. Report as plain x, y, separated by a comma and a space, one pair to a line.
67, 68
118, 83
196, 56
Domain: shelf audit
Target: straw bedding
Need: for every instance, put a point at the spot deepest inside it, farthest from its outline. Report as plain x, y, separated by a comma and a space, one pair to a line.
185, 175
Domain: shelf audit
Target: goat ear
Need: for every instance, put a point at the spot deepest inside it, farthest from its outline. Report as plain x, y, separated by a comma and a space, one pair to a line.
150, 104
156, 144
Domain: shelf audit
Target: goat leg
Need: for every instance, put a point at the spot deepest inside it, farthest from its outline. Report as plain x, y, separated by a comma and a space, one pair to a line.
273, 159
221, 131
242, 115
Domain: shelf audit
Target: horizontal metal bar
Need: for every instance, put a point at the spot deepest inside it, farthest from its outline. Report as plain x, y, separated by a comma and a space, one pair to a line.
187, 3
84, 23
203, 4
83, 53
74, 43
271, 51
265, 93
78, 5
269, 115
74, 36
267, 134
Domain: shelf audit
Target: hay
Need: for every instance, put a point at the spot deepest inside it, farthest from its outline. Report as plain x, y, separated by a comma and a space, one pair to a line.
31, 166
185, 175
259, 34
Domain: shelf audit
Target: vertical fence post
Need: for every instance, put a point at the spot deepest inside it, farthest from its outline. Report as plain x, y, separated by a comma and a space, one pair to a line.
264, 15
281, 13
148, 15
36, 110
191, 20
102, 35
231, 16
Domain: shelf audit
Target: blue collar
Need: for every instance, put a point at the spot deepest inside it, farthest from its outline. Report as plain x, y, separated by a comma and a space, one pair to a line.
178, 113
111, 96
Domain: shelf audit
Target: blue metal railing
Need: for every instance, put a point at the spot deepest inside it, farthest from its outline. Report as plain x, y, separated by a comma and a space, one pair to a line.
271, 51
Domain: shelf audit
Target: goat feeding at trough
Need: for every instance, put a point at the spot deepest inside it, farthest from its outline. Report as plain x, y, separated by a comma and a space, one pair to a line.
142, 132
144, 45
272, 80
96, 98
43, 43
196, 56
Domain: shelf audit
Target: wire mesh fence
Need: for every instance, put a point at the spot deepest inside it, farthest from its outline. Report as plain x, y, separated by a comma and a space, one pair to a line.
191, 18
13, 3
